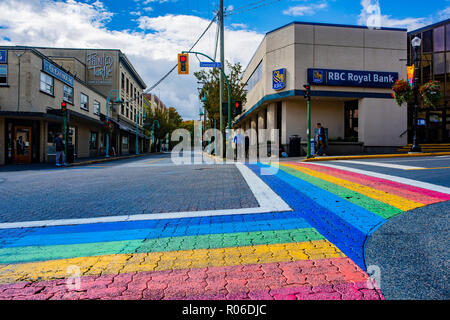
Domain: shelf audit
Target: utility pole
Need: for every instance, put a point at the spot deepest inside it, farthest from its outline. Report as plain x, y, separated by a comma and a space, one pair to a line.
222, 60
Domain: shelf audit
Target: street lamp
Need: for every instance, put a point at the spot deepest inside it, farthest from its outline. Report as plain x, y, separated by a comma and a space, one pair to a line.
415, 43
108, 99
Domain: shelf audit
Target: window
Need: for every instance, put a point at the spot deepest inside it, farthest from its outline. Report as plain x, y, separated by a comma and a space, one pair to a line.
438, 39
68, 94
3, 75
122, 109
46, 83
428, 41
439, 63
96, 107
255, 77
128, 84
93, 140
447, 30
128, 109
123, 81
84, 102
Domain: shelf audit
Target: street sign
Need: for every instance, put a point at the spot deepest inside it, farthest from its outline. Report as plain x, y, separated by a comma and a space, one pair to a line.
210, 65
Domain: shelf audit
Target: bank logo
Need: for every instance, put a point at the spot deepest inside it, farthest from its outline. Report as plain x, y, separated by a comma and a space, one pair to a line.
279, 79
317, 76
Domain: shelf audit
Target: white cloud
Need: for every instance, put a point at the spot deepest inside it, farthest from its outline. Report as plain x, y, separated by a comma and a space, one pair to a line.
303, 10
152, 51
371, 16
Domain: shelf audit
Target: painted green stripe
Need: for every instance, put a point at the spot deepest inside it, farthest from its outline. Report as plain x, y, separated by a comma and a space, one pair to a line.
210, 241
379, 208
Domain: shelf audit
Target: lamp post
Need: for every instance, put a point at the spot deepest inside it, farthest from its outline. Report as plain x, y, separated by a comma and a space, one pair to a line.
415, 43
153, 132
108, 99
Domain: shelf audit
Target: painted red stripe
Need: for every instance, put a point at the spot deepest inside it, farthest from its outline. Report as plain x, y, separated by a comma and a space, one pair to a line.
320, 279
403, 190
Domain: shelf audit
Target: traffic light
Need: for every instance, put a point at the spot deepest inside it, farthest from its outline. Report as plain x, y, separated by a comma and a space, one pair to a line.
64, 106
307, 91
183, 63
237, 107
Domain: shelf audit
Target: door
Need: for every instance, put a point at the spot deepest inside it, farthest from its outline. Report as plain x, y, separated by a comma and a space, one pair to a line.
22, 145
351, 120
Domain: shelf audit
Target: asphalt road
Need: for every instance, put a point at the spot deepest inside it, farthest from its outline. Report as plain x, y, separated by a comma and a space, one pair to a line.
152, 184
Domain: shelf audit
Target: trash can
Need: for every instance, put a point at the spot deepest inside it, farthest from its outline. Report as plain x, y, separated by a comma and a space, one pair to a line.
295, 149
70, 153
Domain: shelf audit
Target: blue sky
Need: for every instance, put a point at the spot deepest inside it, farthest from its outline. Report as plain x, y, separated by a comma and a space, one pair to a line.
272, 14
152, 32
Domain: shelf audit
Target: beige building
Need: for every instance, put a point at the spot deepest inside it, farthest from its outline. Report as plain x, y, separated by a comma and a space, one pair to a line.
36, 84
106, 70
351, 70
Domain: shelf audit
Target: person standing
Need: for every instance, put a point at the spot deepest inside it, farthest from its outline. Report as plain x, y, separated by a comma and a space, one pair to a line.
320, 139
59, 145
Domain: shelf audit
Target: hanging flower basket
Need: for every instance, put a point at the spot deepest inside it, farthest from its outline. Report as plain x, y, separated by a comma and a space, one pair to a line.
431, 93
402, 92
108, 126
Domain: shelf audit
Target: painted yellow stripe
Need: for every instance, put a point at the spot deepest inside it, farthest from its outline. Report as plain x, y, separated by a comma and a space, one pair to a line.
391, 199
157, 261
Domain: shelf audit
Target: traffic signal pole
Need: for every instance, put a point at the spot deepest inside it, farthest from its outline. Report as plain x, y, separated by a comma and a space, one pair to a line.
222, 60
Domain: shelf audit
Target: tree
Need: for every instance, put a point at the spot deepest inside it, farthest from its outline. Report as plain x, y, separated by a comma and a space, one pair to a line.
211, 89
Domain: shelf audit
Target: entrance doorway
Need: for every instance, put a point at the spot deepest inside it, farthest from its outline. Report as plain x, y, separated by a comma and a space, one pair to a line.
22, 145
351, 120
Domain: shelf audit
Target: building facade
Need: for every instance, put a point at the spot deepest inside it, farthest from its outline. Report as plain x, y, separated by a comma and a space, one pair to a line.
32, 87
434, 64
351, 70
107, 70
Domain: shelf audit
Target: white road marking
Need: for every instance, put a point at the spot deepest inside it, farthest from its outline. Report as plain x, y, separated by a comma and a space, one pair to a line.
268, 200
415, 183
381, 164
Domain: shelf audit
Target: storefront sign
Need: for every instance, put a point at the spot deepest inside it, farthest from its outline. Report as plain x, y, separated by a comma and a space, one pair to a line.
279, 79
351, 78
3, 56
100, 67
54, 71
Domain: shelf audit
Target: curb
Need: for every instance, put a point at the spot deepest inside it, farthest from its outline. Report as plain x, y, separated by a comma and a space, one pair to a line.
379, 156
83, 163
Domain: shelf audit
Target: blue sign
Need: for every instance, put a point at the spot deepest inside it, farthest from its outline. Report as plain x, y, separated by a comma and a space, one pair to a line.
211, 64
279, 79
51, 69
352, 78
3, 56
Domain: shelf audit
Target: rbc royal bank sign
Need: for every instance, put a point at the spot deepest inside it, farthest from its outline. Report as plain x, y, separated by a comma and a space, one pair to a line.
279, 79
351, 78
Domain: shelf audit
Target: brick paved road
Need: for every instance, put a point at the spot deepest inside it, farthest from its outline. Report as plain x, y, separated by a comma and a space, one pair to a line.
312, 252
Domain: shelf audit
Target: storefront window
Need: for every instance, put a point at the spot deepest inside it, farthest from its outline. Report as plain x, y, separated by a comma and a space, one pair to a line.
96, 107
438, 39
427, 67
3, 75
84, 102
93, 140
68, 94
447, 88
439, 64
46, 83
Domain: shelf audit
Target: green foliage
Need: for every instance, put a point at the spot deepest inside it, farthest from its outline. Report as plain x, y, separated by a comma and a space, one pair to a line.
211, 89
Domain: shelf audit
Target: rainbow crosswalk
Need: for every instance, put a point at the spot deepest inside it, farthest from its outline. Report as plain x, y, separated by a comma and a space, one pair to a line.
313, 252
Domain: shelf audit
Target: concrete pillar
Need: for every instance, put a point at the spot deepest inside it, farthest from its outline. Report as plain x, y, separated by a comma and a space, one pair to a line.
261, 125
271, 120
2, 142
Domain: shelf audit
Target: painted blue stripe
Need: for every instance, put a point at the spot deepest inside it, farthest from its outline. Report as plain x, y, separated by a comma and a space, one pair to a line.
162, 231
342, 233
358, 216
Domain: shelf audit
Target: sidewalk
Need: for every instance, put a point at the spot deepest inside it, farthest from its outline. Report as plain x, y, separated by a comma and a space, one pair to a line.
78, 162
375, 156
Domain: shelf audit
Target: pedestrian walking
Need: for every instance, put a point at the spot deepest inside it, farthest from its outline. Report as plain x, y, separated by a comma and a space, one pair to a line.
60, 155
320, 139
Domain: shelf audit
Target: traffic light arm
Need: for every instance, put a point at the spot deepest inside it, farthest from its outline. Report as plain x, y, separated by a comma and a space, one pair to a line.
226, 80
